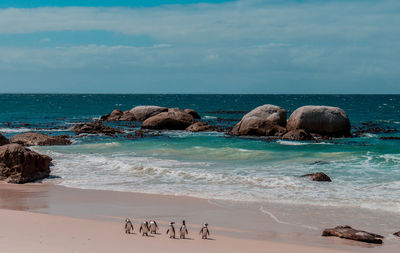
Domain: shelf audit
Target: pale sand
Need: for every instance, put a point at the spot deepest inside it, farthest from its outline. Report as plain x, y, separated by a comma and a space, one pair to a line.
92, 221
31, 232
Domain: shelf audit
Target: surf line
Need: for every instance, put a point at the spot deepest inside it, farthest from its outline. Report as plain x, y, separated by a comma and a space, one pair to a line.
284, 222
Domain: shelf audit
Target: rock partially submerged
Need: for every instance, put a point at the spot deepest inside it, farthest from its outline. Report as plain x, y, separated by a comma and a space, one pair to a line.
94, 128
298, 135
193, 113
21, 165
323, 120
3, 140
397, 234
318, 176
142, 113
37, 139
265, 120
199, 127
350, 233
174, 119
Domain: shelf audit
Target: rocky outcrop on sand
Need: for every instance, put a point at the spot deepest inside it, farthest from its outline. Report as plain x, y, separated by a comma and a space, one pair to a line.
37, 139
193, 113
350, 233
323, 120
21, 165
199, 127
318, 176
94, 128
397, 234
298, 135
265, 120
118, 115
142, 113
173, 119
3, 140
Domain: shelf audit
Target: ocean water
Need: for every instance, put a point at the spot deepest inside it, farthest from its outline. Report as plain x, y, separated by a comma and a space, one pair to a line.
365, 170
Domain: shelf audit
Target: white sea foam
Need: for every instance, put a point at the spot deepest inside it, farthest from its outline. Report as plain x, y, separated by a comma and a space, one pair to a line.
209, 117
15, 130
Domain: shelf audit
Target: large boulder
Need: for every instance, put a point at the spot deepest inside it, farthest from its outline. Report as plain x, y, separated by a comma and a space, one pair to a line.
265, 120
94, 128
199, 127
298, 135
36, 139
3, 140
323, 120
318, 176
173, 119
142, 113
193, 113
350, 233
21, 165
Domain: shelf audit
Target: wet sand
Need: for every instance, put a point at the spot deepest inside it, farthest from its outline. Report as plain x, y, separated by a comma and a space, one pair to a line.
269, 225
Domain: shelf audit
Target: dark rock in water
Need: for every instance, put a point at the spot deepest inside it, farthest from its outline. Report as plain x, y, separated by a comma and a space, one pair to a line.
350, 233
318, 176
298, 135
397, 234
174, 119
37, 139
323, 120
319, 163
3, 140
142, 134
94, 128
390, 138
21, 165
199, 127
265, 120
142, 113
193, 113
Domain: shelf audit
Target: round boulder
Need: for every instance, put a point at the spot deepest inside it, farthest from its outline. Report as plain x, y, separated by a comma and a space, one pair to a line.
199, 127
142, 113
171, 120
323, 120
37, 139
193, 113
21, 165
318, 176
265, 120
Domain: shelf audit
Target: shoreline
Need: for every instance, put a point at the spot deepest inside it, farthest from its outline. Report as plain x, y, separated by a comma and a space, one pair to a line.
231, 220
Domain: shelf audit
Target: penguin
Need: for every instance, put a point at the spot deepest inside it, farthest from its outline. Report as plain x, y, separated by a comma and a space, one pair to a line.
128, 226
204, 231
171, 230
183, 230
144, 228
153, 227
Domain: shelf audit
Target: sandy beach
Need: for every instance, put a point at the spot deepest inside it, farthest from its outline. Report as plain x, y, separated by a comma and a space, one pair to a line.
46, 217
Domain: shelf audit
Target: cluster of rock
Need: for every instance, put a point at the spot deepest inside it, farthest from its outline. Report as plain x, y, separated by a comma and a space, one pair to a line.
305, 123
160, 118
94, 128
37, 139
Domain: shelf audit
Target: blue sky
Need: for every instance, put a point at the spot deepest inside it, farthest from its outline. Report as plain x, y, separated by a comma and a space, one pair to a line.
245, 46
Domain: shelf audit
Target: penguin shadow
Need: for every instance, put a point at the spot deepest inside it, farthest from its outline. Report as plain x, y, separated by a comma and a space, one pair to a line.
131, 233
151, 236
187, 238
209, 239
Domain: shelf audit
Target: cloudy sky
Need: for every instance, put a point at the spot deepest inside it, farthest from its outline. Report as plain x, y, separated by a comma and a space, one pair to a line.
193, 46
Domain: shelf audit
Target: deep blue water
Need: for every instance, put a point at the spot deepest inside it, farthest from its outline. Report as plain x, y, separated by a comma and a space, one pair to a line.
365, 170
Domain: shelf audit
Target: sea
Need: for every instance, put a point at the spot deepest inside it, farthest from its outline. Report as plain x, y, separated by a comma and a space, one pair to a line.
365, 169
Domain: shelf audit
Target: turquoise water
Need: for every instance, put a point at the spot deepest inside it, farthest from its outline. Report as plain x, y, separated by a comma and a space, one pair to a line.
365, 170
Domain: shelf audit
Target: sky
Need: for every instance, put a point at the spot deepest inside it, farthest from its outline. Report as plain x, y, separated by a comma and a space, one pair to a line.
200, 46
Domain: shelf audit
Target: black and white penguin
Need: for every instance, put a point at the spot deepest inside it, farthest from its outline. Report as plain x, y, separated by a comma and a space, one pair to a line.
183, 230
144, 229
204, 231
128, 226
153, 227
171, 230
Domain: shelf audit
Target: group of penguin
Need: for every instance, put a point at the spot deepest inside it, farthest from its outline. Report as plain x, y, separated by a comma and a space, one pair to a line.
152, 227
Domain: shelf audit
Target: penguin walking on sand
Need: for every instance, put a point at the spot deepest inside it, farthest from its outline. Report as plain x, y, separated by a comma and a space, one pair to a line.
183, 230
204, 231
171, 230
128, 226
153, 227
144, 229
